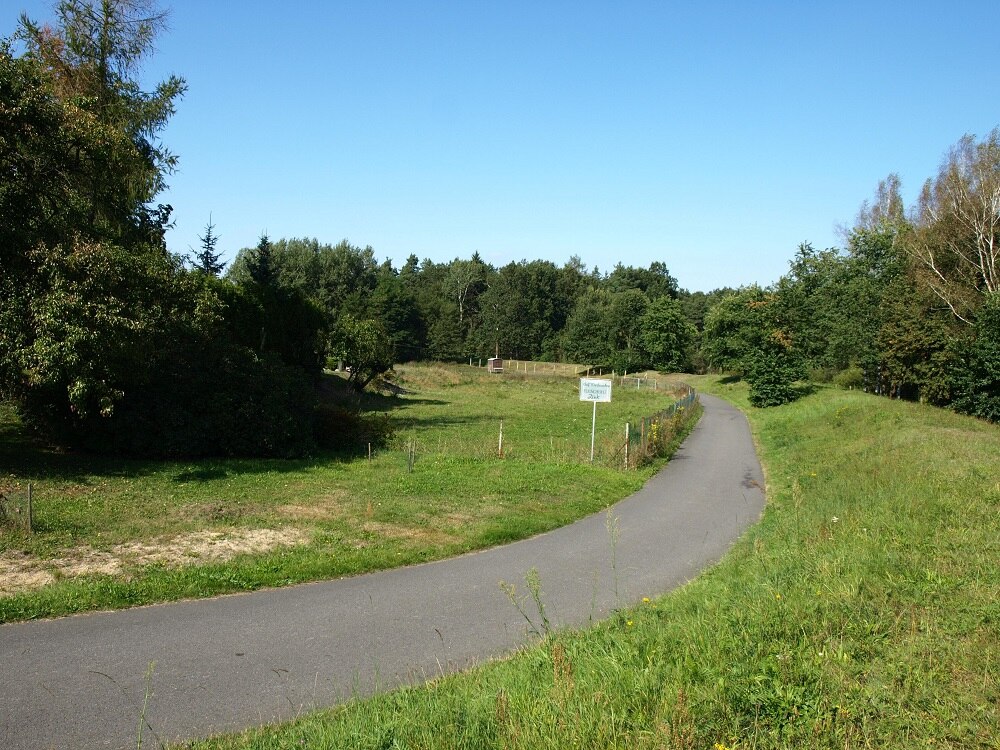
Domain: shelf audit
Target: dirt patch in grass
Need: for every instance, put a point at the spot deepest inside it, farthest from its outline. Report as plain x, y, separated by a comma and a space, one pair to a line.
458, 519
421, 535
20, 572
331, 505
208, 546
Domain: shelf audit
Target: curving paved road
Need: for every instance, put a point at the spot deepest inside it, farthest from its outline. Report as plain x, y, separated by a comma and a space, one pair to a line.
226, 663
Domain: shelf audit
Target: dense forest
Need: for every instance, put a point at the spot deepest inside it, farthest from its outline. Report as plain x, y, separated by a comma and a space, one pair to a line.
108, 341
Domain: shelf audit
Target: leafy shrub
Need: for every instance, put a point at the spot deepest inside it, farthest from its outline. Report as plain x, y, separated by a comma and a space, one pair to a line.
131, 355
771, 377
210, 401
852, 377
821, 374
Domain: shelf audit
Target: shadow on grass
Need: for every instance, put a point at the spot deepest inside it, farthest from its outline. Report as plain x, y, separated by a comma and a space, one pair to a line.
45, 463
428, 423
25, 456
333, 389
202, 474
803, 389
377, 402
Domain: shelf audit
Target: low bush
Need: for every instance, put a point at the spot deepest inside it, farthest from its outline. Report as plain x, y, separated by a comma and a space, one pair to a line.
850, 379
204, 401
821, 374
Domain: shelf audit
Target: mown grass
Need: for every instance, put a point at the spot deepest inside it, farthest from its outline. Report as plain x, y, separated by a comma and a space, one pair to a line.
350, 514
862, 611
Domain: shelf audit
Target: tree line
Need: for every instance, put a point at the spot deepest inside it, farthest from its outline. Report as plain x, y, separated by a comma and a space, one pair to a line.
910, 308
628, 319
108, 341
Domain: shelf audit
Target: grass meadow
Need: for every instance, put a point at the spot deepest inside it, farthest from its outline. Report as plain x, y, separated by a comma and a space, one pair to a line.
862, 611
112, 533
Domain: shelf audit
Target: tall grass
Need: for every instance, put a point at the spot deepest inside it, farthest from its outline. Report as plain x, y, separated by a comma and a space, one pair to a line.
863, 611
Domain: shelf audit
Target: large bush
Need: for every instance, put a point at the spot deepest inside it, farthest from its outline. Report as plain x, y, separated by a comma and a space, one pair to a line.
131, 354
771, 375
211, 401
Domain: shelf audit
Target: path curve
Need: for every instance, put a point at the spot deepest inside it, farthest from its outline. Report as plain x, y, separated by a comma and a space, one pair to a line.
228, 663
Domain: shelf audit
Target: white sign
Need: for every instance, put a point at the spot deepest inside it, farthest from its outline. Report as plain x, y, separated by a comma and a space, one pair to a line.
595, 390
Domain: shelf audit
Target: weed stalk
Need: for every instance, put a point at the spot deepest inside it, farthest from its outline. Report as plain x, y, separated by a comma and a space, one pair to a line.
614, 534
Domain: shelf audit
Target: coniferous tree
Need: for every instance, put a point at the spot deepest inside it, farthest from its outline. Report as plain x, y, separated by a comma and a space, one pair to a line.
91, 57
260, 263
208, 258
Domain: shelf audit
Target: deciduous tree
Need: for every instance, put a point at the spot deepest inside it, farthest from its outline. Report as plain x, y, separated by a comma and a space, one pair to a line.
587, 335
106, 341
625, 327
667, 335
976, 378
364, 346
957, 235
747, 332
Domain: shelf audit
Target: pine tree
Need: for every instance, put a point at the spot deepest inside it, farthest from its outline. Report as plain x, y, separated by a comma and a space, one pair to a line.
259, 263
208, 259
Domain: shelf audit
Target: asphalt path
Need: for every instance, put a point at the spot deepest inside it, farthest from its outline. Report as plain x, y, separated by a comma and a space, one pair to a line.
236, 661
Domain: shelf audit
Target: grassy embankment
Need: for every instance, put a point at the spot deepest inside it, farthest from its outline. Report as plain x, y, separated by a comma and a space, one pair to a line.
114, 533
863, 611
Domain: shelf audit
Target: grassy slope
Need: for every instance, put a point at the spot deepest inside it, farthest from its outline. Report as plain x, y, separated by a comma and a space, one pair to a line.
862, 611
355, 515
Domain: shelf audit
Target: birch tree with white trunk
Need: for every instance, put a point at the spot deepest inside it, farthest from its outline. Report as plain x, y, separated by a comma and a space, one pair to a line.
956, 237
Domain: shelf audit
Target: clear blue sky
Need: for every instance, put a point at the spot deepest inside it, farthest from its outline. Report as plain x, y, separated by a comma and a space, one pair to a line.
712, 136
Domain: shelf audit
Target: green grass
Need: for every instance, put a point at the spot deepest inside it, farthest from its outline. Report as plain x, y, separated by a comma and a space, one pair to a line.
345, 515
863, 611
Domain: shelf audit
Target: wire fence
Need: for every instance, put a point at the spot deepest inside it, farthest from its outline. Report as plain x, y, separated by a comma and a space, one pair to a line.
523, 367
622, 446
623, 380
653, 435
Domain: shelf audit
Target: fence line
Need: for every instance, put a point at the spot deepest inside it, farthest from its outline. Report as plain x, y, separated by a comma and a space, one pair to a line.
643, 440
528, 367
567, 369
657, 431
